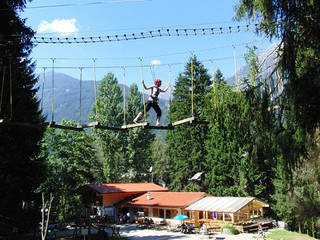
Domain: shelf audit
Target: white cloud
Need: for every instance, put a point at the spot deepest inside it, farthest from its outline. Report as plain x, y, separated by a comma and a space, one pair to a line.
155, 62
61, 26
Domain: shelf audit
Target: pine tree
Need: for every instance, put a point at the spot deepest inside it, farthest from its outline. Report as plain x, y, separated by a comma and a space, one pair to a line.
71, 163
109, 113
186, 142
20, 169
138, 142
296, 24
228, 172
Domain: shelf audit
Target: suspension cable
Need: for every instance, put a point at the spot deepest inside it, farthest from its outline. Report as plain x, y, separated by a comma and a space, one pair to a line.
95, 87
80, 95
191, 70
42, 88
2, 87
124, 94
52, 91
143, 94
11, 101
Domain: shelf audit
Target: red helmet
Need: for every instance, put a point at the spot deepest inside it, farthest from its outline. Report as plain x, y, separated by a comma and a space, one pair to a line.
157, 81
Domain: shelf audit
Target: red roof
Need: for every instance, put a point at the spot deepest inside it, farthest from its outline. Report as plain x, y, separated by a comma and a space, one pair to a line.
168, 199
106, 188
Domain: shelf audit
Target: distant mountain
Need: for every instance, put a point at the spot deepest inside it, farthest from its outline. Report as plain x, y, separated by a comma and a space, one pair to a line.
267, 58
67, 98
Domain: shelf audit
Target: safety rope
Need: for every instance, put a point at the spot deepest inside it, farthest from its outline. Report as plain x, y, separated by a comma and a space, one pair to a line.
191, 69
95, 87
11, 101
52, 91
143, 94
42, 88
235, 68
80, 95
213, 88
124, 95
169, 82
2, 88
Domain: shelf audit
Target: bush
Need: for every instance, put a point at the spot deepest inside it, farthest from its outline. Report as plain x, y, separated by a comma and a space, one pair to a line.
231, 228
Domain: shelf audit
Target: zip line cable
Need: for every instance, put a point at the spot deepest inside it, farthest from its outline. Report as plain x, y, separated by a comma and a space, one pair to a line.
149, 34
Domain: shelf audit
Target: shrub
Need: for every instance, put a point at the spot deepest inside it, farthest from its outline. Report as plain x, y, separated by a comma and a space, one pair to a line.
231, 228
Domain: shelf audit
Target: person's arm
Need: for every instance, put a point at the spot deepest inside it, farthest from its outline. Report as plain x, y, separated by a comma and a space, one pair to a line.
166, 89
145, 87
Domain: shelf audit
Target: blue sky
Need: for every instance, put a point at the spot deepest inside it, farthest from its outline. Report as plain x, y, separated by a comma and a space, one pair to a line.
84, 18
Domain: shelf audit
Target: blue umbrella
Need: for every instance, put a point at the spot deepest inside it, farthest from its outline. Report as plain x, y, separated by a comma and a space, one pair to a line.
180, 217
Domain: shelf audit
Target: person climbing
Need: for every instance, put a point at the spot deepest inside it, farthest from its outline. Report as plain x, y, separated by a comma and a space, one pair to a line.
153, 100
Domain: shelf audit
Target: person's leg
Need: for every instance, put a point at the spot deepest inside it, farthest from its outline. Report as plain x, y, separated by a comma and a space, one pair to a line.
158, 111
140, 114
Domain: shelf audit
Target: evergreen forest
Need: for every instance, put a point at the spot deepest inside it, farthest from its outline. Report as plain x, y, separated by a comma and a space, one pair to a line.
254, 140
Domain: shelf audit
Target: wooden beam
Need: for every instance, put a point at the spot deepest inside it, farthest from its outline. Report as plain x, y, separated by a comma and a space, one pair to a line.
187, 120
168, 127
91, 124
143, 124
54, 125
99, 126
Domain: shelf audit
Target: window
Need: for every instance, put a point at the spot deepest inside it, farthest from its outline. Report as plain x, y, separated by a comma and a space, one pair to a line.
161, 213
168, 213
155, 212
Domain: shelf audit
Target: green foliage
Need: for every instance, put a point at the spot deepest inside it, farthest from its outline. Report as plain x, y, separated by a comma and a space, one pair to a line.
232, 229
297, 24
137, 143
186, 142
288, 235
228, 170
160, 161
19, 146
109, 113
71, 163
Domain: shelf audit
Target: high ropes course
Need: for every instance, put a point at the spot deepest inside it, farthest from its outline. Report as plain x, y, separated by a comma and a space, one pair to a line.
110, 38
177, 32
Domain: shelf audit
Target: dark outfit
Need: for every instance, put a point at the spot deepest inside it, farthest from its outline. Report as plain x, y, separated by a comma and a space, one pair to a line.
153, 100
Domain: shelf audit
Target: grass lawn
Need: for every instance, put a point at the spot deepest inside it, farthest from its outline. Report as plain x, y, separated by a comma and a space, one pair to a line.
287, 235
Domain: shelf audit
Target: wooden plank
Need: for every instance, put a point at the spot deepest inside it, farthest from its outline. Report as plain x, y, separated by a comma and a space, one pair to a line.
21, 124
143, 124
169, 127
91, 124
99, 126
201, 122
187, 120
54, 125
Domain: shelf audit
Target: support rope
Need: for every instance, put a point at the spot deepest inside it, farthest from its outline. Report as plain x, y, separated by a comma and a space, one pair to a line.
214, 100
95, 87
80, 95
42, 88
52, 91
235, 68
143, 95
2, 88
191, 69
169, 80
11, 101
124, 95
